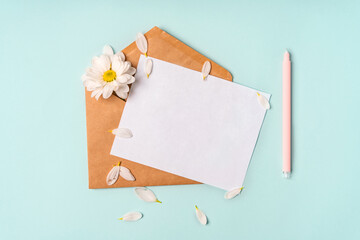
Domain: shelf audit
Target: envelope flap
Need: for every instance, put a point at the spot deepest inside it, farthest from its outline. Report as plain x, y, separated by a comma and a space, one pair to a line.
163, 46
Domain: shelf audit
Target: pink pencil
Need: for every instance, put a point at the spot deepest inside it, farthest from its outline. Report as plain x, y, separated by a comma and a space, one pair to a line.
286, 115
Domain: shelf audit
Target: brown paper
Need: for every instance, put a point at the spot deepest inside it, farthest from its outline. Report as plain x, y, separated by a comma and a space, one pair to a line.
105, 114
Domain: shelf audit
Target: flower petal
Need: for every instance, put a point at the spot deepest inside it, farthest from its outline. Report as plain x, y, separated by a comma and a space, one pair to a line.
102, 63
123, 88
130, 80
126, 174
92, 85
132, 216
116, 64
233, 193
122, 95
122, 133
107, 50
91, 76
85, 78
122, 68
146, 194
93, 73
115, 84
148, 67
201, 216
263, 101
206, 69
127, 66
131, 71
124, 78
107, 91
113, 175
97, 93
94, 59
141, 43
97, 96
121, 56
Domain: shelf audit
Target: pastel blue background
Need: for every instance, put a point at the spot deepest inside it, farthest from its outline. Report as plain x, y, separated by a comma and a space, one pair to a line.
45, 47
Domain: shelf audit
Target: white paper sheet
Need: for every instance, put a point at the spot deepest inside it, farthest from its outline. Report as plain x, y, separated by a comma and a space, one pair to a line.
201, 130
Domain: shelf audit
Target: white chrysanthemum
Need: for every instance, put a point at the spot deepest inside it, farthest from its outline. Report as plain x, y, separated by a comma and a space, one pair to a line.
109, 73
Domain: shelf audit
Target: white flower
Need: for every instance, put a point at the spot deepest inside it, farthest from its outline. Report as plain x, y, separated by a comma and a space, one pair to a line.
109, 73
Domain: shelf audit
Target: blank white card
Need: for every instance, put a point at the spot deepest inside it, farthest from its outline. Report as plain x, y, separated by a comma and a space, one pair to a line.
204, 130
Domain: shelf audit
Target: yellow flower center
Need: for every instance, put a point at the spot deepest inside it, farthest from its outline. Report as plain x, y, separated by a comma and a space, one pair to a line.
109, 75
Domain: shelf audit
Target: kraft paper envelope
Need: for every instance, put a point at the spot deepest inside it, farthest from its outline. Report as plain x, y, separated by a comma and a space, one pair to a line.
105, 114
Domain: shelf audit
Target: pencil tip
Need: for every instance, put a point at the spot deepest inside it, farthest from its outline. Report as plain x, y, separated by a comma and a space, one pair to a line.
286, 55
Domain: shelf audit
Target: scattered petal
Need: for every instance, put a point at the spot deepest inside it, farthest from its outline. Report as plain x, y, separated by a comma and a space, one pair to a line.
206, 69
263, 101
233, 193
122, 132
126, 174
148, 67
131, 216
141, 43
146, 194
107, 50
113, 175
117, 170
201, 216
